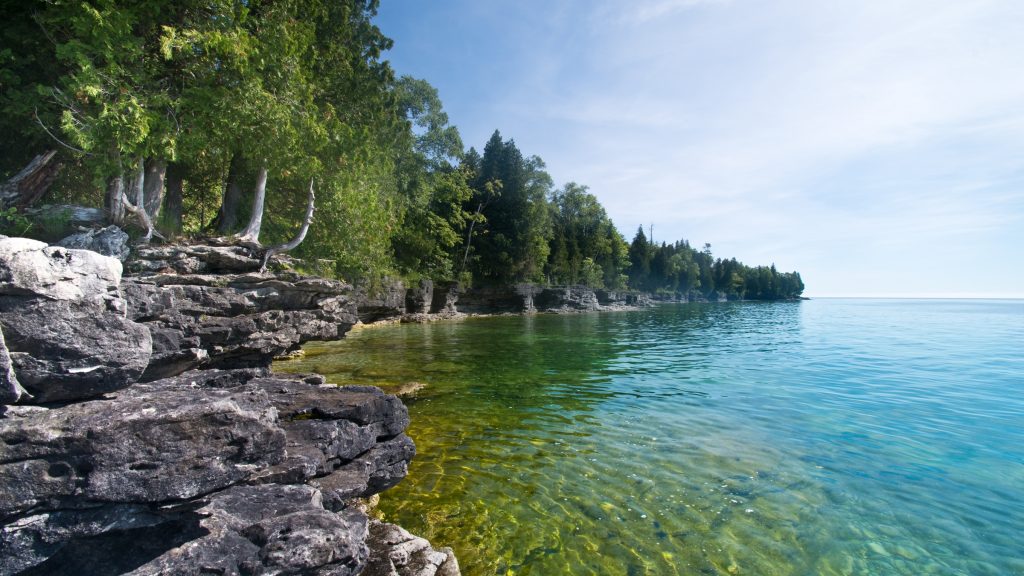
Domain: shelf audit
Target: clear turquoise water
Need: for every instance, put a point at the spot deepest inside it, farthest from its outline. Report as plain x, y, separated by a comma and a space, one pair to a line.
818, 437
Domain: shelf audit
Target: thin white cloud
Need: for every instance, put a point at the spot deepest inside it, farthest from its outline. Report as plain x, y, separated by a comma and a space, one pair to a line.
640, 12
812, 133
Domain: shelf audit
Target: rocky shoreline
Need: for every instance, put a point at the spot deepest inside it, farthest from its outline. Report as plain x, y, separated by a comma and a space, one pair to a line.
143, 433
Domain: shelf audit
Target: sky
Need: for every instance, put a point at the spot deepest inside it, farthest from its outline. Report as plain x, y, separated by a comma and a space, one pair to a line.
875, 146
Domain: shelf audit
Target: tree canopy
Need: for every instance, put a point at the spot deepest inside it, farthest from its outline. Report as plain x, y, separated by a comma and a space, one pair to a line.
222, 117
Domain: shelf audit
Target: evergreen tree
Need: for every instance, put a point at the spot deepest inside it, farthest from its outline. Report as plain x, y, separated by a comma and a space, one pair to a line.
513, 243
639, 260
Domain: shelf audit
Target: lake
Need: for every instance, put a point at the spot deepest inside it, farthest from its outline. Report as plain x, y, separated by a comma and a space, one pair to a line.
831, 436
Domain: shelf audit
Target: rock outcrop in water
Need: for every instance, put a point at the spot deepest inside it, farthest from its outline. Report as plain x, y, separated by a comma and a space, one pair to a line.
127, 459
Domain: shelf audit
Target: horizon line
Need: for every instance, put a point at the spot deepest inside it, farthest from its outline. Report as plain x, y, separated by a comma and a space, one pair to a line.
926, 296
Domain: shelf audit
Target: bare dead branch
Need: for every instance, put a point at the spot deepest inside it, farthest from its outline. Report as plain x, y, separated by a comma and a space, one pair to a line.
35, 113
294, 242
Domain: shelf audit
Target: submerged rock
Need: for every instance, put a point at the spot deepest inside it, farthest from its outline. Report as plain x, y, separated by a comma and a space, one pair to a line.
395, 552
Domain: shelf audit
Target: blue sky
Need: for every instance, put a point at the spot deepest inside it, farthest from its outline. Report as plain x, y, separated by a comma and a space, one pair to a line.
875, 146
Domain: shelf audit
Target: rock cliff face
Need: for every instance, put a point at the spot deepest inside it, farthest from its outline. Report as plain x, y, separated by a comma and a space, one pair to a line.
527, 298
142, 433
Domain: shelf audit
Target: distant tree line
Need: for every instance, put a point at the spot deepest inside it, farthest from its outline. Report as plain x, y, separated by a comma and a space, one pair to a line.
678, 268
216, 117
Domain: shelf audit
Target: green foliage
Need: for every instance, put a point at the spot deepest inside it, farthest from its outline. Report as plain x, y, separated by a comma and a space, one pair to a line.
640, 257
513, 242
48, 226
591, 274
432, 190
583, 232
678, 268
14, 223
220, 89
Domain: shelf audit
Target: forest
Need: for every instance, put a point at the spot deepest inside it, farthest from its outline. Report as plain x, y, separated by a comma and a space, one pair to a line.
235, 118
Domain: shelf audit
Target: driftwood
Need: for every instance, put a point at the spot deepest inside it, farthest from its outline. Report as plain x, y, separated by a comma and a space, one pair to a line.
80, 216
26, 187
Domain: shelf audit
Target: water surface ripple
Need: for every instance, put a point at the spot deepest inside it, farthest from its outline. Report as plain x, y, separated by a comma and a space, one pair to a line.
819, 437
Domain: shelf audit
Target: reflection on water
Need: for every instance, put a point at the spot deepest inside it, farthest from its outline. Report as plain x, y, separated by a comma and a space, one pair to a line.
823, 437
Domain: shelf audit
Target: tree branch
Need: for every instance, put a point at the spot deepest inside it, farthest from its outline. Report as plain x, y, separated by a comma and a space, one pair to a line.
35, 113
294, 242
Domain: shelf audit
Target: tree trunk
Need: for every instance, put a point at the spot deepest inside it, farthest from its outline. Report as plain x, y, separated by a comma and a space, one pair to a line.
252, 231
137, 190
156, 173
115, 200
28, 186
227, 217
175, 200
469, 236
294, 242
138, 207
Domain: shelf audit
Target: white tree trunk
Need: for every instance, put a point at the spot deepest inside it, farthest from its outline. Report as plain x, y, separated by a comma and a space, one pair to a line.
138, 208
252, 231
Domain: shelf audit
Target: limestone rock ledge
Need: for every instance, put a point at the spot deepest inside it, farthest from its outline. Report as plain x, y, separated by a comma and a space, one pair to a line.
119, 456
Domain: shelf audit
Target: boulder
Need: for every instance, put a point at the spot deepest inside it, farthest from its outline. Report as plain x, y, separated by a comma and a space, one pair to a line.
110, 241
498, 299
347, 441
195, 259
566, 299
63, 350
213, 470
381, 302
185, 471
31, 268
269, 529
446, 295
380, 468
64, 322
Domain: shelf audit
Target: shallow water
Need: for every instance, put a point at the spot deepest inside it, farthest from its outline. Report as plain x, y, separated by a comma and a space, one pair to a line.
816, 437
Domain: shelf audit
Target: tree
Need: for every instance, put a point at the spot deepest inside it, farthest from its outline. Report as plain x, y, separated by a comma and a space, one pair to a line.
639, 259
432, 189
581, 229
515, 240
